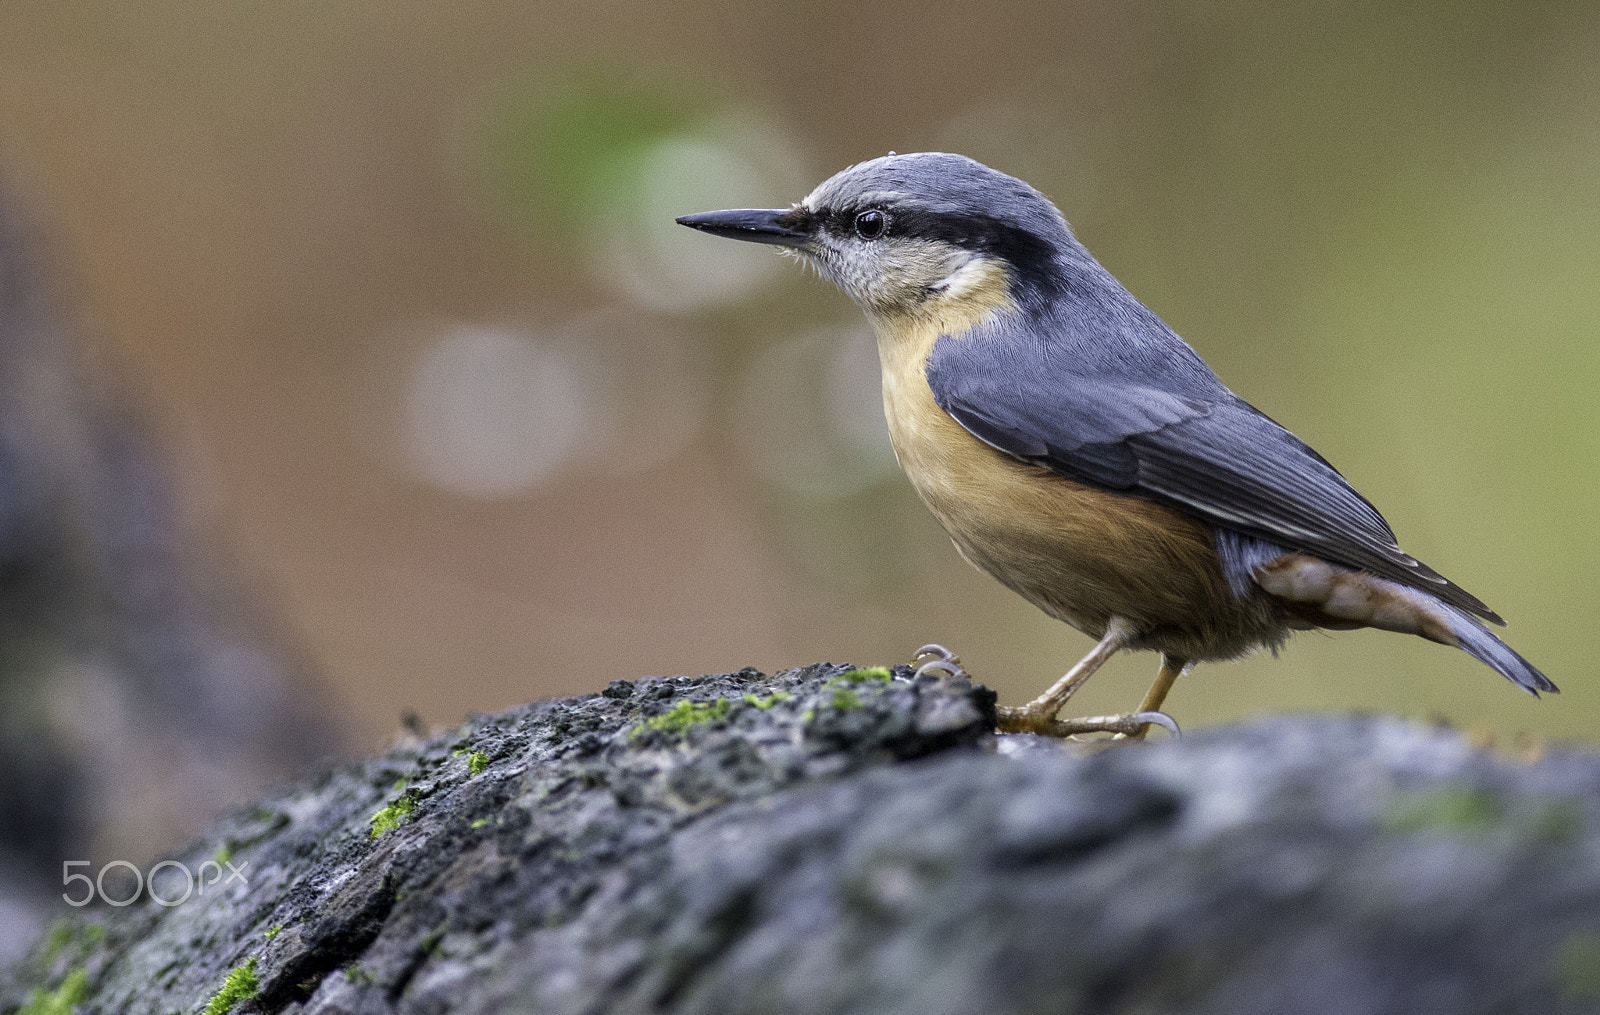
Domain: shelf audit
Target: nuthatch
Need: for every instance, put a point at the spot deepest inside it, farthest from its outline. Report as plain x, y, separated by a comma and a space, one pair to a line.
1078, 450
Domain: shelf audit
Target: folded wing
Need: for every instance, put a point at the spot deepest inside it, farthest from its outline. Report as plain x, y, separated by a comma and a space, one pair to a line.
1190, 443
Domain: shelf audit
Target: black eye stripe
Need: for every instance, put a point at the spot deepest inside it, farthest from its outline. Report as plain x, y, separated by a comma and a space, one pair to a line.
1030, 255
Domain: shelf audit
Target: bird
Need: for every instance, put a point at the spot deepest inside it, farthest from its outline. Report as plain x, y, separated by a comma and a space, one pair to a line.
1075, 448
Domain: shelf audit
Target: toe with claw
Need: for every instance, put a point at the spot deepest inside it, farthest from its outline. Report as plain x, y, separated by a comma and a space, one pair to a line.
1127, 726
933, 658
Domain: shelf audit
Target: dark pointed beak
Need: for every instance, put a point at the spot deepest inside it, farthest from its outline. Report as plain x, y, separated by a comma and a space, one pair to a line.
758, 225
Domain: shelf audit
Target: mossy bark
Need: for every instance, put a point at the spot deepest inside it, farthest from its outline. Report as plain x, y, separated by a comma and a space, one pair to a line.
784, 852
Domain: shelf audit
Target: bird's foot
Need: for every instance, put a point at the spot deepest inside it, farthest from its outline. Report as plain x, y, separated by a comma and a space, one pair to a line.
937, 659
1034, 718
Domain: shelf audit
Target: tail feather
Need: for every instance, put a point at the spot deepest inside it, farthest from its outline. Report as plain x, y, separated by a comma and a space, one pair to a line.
1317, 593
1478, 642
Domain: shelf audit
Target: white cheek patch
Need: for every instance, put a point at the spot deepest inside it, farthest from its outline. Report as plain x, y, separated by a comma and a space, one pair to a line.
977, 273
923, 266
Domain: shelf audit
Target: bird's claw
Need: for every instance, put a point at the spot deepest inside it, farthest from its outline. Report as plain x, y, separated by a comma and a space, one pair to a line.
944, 666
933, 658
933, 650
1127, 726
1162, 719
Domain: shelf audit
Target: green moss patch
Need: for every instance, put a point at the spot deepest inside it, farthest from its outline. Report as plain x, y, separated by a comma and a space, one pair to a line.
843, 697
765, 703
1577, 966
71, 938
395, 814
57, 938
878, 674
60, 1000
241, 985
1453, 810
687, 714
477, 761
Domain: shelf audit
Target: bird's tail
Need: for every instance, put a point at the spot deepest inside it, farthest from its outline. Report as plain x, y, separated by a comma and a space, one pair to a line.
1480, 643
1326, 595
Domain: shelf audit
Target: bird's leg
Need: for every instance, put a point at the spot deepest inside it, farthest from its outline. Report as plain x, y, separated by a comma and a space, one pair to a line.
1172, 667
1039, 715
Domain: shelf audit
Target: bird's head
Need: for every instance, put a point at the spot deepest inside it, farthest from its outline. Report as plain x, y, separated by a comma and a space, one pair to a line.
921, 235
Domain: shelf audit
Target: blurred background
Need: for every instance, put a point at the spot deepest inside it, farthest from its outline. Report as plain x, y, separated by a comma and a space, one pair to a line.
466, 420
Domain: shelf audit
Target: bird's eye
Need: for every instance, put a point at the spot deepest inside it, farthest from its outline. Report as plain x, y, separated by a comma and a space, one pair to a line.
871, 223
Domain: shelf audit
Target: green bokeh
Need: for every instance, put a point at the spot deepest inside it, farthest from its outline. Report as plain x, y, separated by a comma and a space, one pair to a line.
559, 151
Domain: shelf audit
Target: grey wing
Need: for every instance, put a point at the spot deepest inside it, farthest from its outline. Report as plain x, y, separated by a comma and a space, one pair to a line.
1205, 452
